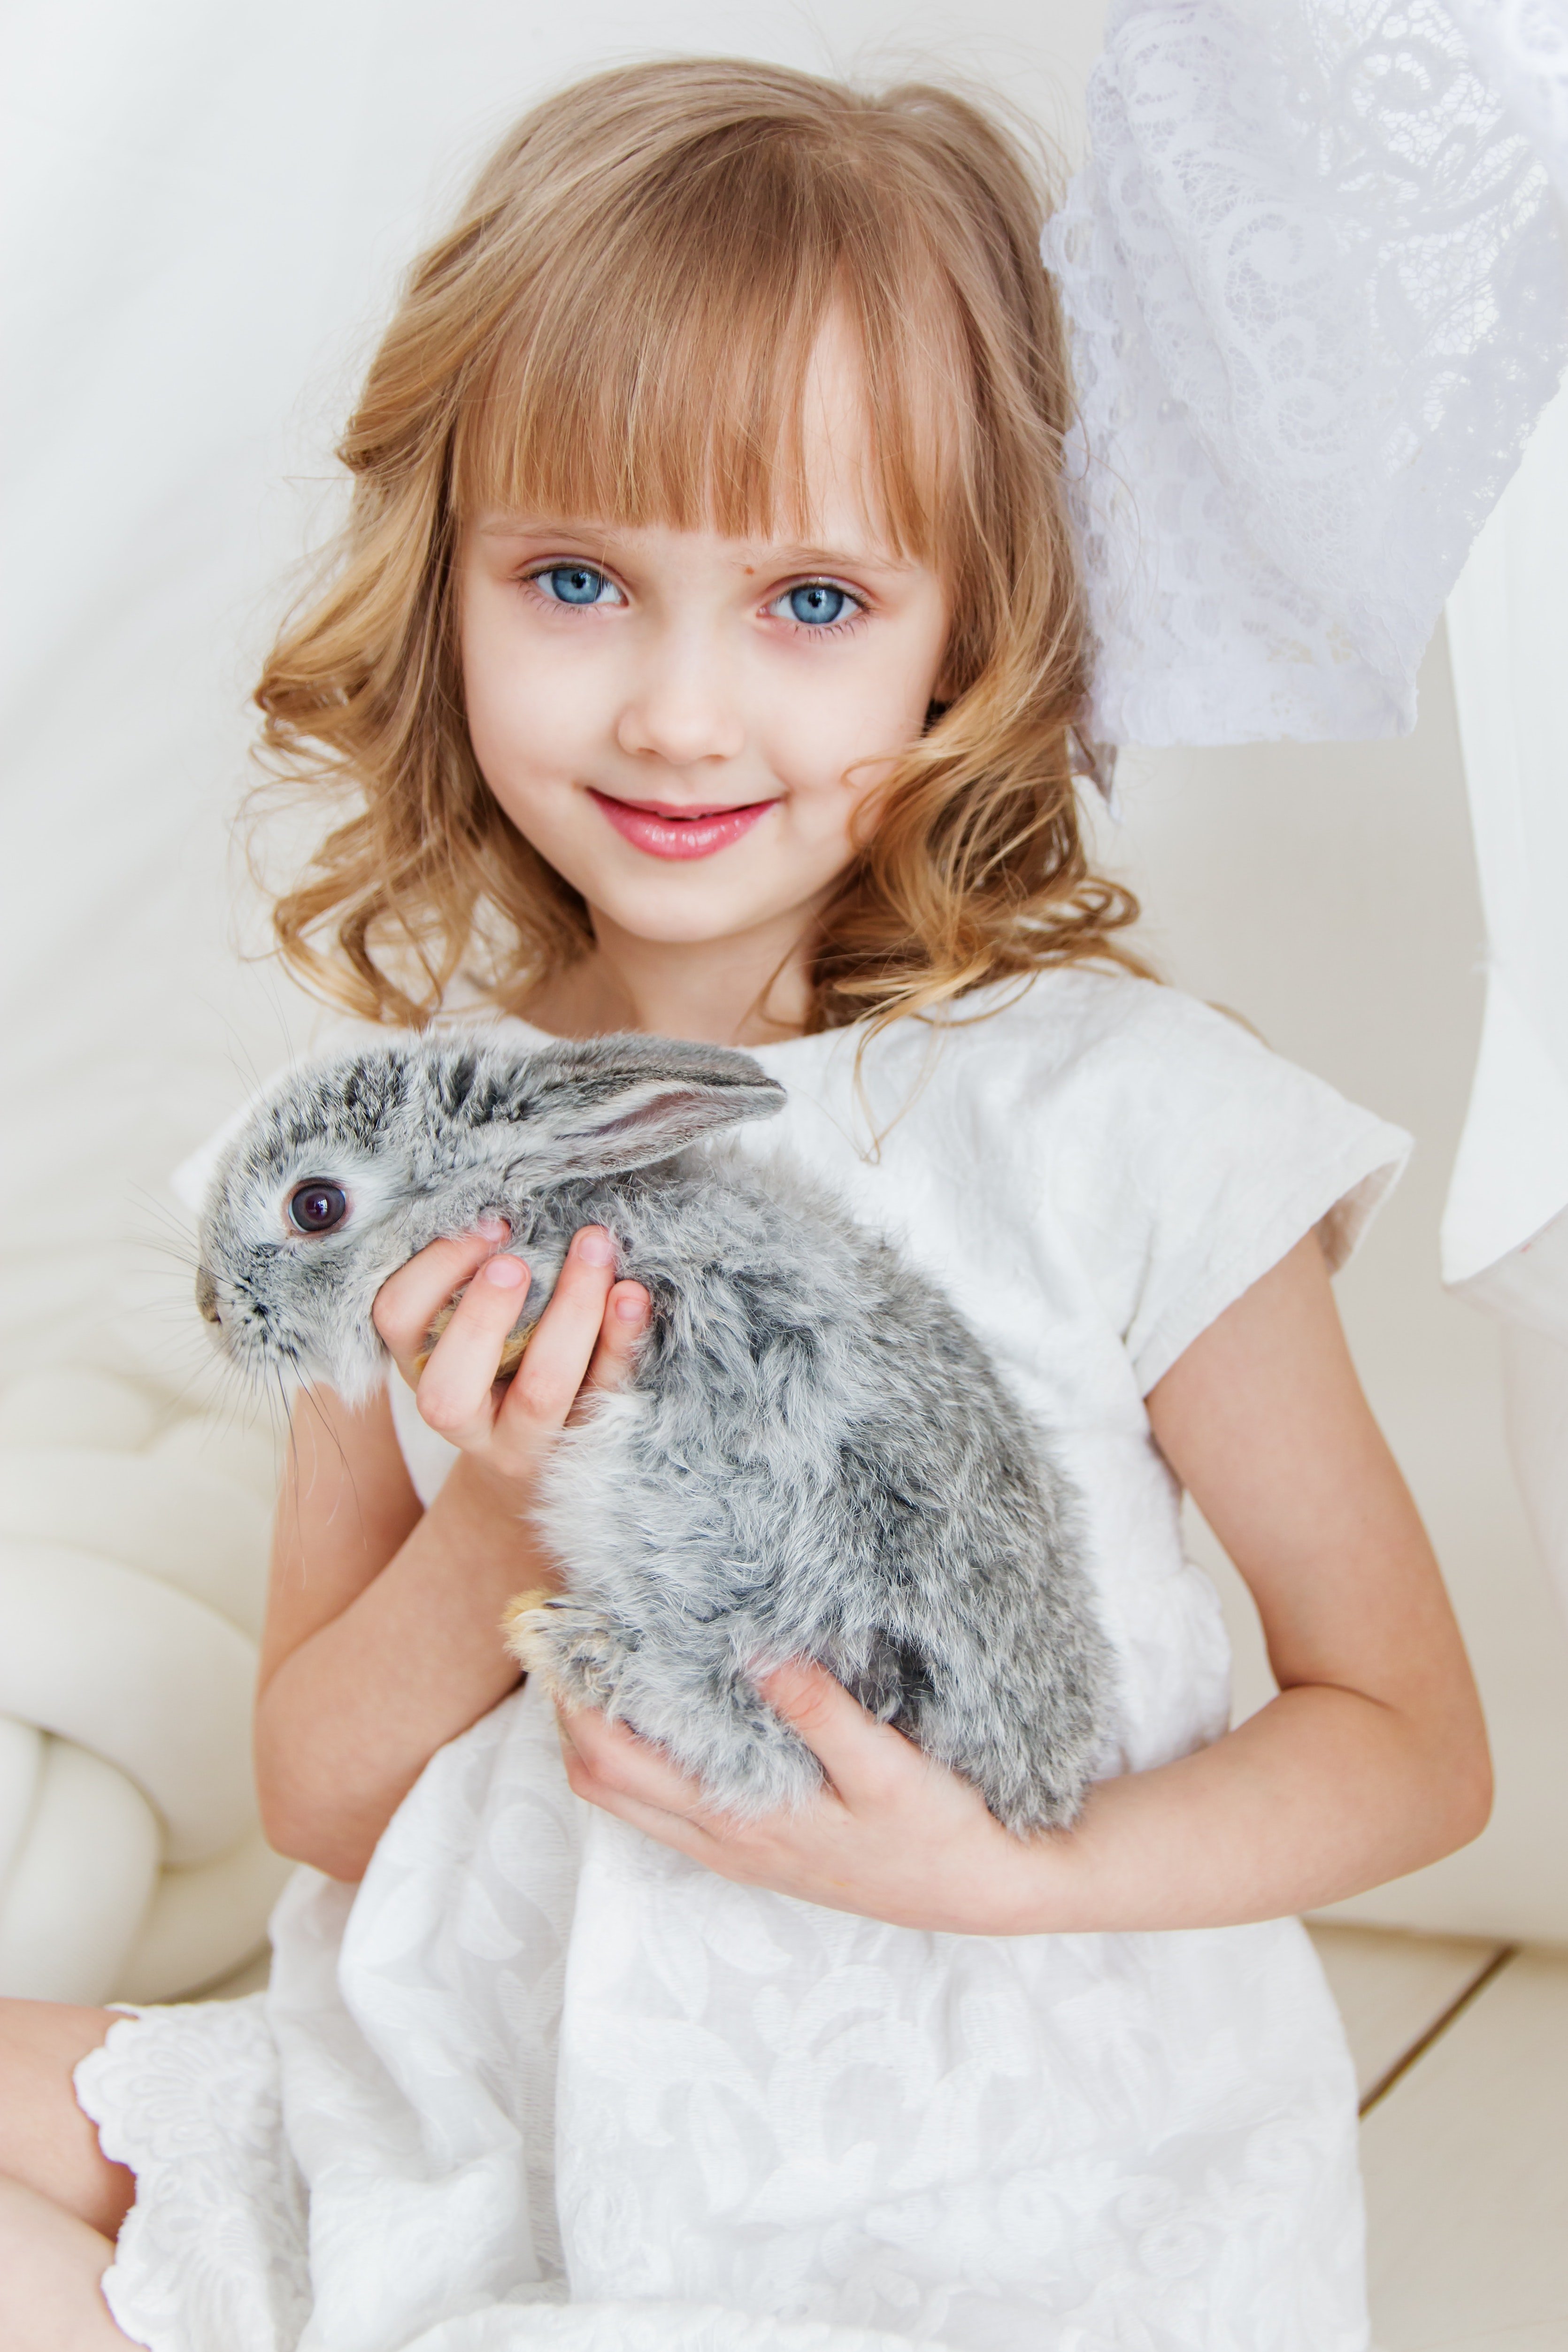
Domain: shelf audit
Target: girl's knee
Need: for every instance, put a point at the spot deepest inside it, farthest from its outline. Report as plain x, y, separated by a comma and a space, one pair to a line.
51, 2266
48, 2146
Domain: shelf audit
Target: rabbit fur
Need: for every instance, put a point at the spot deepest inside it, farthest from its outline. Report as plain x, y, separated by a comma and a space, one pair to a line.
812, 1457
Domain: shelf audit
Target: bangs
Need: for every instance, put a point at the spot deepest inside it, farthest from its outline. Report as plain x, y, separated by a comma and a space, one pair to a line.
656, 365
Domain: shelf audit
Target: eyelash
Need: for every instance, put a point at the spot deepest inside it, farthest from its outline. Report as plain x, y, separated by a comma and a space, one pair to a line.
537, 571
856, 613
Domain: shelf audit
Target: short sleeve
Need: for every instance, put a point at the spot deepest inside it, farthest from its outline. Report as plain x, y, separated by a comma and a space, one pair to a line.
1195, 1159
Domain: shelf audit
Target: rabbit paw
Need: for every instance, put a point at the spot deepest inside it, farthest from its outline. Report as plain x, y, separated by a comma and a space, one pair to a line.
511, 1355
573, 1652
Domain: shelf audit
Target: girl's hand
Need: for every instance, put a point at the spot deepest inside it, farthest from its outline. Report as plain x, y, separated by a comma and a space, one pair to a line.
382, 1637
1371, 1761
587, 1338
891, 1836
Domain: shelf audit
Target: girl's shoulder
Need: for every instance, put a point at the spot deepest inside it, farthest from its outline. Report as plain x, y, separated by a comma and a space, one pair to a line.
1159, 1138
1117, 1047
1074, 1010
1081, 1061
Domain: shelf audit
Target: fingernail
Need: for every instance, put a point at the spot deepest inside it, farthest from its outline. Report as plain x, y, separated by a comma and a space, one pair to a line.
492, 1229
505, 1273
630, 1308
595, 1247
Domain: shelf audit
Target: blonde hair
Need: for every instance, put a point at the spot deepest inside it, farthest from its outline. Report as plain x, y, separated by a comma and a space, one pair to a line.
620, 324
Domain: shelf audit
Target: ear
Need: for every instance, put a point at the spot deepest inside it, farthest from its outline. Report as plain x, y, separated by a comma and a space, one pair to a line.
623, 1103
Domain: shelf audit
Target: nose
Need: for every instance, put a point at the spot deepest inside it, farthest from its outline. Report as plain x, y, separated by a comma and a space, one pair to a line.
684, 707
207, 1296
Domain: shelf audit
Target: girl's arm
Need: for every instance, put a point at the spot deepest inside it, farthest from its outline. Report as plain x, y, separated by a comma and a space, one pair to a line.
1372, 1760
383, 1634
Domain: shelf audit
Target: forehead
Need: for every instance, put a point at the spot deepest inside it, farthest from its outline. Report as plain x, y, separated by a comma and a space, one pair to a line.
836, 491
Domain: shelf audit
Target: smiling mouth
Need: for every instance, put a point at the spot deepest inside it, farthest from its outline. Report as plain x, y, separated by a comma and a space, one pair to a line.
695, 830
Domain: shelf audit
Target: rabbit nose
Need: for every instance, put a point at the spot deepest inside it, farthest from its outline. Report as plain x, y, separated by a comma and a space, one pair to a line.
207, 1296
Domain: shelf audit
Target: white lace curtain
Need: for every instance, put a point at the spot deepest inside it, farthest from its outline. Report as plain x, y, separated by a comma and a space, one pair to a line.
1317, 299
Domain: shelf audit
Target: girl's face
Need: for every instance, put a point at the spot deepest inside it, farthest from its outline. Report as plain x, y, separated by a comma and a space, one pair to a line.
683, 724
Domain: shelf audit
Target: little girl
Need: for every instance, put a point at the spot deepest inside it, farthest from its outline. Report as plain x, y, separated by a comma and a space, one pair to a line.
704, 659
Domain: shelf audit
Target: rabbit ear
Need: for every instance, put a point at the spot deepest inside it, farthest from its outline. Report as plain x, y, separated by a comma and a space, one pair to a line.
608, 1112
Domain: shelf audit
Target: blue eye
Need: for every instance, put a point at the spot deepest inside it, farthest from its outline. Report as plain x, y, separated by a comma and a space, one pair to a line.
817, 605
577, 584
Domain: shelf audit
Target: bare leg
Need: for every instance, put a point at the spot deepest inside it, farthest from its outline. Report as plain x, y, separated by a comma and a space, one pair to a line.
46, 2141
61, 2201
51, 2265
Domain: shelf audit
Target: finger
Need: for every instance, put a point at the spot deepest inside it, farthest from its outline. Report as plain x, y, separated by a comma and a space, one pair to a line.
409, 1300
455, 1387
562, 1349
864, 1760
687, 1836
608, 1766
625, 1320
632, 1768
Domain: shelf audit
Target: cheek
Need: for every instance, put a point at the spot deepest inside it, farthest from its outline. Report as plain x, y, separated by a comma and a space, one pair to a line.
840, 726
529, 716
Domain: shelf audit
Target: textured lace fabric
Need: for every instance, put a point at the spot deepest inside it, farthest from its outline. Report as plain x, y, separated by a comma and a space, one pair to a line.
541, 2082
789, 2130
1316, 298
191, 2099
1522, 47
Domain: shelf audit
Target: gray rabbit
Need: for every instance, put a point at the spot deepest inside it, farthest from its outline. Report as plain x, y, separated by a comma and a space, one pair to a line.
812, 1459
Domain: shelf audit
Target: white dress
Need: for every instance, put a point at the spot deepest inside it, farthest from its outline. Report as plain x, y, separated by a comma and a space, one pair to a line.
539, 2082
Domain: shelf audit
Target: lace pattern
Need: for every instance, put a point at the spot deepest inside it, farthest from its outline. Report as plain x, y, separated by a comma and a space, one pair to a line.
1317, 299
213, 2252
783, 2129
1521, 45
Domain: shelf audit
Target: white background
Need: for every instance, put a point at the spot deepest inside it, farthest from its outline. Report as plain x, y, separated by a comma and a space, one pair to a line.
209, 204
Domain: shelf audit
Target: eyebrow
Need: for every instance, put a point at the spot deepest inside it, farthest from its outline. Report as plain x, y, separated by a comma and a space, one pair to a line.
521, 526
786, 557
828, 559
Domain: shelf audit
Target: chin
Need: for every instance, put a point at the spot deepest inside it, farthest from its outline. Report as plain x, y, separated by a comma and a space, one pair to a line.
672, 920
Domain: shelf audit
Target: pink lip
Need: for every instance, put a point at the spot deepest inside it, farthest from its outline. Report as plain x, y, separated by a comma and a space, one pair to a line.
664, 830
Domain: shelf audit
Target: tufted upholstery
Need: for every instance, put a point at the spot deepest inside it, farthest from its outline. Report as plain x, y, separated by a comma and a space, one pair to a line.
132, 1574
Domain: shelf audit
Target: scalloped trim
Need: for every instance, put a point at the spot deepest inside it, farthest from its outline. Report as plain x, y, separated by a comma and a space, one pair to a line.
213, 2256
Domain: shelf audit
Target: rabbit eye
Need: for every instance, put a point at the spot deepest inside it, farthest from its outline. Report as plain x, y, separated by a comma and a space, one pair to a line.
316, 1206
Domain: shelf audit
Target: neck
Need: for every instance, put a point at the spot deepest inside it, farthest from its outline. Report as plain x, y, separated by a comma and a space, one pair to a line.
750, 989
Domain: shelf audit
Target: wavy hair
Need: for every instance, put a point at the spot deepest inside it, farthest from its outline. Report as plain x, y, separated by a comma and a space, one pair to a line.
620, 323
